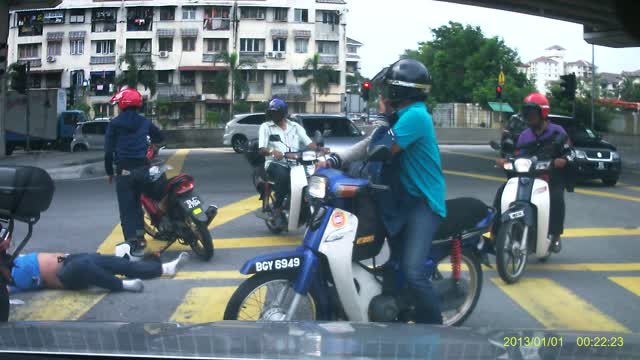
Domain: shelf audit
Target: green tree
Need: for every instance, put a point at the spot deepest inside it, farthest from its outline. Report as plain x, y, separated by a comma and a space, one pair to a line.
138, 73
354, 81
220, 85
629, 90
241, 107
213, 118
465, 65
236, 66
260, 107
163, 109
318, 78
561, 106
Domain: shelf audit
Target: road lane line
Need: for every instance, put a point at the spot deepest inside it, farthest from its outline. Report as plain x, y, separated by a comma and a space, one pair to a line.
210, 275
233, 243
631, 283
579, 191
176, 161
203, 304
236, 210
56, 305
595, 232
556, 307
629, 186
483, 157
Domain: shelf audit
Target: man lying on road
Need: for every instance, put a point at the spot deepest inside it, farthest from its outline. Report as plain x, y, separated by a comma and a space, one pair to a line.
35, 271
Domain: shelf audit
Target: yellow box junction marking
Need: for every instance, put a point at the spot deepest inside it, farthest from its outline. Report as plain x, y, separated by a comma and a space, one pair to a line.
631, 283
56, 305
203, 304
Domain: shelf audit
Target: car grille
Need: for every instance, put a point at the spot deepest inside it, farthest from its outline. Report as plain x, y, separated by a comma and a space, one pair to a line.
593, 154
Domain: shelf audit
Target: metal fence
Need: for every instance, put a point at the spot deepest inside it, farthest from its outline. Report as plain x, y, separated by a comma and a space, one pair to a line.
457, 115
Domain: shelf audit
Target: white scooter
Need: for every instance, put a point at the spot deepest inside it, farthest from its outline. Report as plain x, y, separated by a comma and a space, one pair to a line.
524, 222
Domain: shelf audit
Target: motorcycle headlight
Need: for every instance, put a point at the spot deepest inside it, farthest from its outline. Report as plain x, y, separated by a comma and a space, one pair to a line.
615, 155
318, 187
522, 165
581, 154
508, 166
309, 156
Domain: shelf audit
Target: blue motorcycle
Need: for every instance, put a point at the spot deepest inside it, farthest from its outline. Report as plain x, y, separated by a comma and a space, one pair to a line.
335, 274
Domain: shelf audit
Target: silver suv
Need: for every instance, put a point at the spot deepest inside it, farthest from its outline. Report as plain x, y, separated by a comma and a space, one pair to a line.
89, 136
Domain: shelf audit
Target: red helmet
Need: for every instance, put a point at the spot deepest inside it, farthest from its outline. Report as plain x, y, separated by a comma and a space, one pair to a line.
127, 98
538, 101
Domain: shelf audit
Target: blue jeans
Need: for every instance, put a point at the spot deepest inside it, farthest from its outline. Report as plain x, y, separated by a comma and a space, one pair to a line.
411, 248
129, 188
83, 270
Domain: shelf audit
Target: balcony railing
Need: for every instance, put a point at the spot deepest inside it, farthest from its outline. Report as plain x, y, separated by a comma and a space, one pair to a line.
328, 59
327, 32
290, 92
36, 62
177, 92
216, 24
101, 59
256, 56
212, 58
255, 89
142, 57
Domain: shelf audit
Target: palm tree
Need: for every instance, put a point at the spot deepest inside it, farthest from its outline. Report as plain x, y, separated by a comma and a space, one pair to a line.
236, 65
139, 72
319, 77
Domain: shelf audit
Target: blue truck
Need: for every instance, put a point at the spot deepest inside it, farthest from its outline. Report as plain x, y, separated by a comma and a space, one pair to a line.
50, 125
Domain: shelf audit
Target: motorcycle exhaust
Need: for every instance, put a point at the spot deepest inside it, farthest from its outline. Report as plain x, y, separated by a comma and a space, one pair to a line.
211, 213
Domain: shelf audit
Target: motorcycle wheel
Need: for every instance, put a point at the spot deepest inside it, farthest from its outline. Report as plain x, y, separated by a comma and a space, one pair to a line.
257, 299
510, 260
473, 266
201, 242
149, 228
4, 303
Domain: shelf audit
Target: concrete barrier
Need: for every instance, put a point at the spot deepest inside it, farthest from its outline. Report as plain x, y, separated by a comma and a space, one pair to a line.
198, 138
628, 146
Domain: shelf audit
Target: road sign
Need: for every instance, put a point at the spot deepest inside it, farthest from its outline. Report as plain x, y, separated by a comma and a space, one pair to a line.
501, 78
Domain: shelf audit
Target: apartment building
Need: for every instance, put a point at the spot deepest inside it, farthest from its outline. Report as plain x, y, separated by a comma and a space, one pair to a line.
78, 45
353, 58
548, 68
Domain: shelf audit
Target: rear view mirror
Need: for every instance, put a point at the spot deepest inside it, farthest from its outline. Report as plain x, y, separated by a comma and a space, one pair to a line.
275, 138
380, 153
494, 145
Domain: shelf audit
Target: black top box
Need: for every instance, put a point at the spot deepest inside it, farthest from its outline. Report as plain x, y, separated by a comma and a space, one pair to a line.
25, 191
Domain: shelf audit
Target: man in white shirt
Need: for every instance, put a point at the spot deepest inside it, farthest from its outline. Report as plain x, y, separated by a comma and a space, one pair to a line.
292, 137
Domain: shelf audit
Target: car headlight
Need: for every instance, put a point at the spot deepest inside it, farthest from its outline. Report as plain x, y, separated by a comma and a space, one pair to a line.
522, 165
581, 154
318, 187
615, 155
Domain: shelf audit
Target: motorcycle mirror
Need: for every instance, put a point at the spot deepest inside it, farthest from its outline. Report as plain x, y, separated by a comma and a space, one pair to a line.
494, 145
380, 153
275, 138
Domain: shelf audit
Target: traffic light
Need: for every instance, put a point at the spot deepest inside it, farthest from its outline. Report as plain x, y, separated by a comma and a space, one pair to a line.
19, 77
499, 92
569, 85
364, 90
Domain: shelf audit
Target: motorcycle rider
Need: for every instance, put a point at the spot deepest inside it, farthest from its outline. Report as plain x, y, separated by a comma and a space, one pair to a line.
539, 139
126, 143
292, 137
417, 182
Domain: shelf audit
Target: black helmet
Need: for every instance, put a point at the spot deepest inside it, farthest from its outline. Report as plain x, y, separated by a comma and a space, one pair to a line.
406, 79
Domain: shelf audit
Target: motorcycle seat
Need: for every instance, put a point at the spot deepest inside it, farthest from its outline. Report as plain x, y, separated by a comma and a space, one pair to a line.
462, 214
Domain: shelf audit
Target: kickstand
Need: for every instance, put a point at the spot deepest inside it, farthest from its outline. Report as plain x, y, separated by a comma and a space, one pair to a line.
164, 248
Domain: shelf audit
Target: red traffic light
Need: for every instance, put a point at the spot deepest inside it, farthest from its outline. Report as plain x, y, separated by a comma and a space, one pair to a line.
366, 85
499, 89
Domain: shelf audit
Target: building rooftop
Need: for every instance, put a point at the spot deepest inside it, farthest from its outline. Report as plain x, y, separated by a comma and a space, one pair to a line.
580, 63
610, 78
351, 41
631, 73
543, 59
555, 47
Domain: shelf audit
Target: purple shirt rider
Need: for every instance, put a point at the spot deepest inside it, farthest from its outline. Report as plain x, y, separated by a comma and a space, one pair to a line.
528, 136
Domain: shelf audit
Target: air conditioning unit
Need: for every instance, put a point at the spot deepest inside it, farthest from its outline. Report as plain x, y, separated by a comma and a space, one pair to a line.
51, 58
270, 54
279, 55
164, 54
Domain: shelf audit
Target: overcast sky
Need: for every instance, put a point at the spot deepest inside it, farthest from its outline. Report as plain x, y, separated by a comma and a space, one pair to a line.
388, 28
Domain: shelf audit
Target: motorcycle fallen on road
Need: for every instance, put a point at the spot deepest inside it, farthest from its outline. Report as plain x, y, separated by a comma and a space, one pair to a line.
333, 274
173, 210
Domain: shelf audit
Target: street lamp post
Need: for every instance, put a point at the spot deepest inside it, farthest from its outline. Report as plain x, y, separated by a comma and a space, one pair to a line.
593, 87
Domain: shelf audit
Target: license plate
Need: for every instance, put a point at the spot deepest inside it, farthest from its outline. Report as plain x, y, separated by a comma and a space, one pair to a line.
279, 264
601, 165
193, 203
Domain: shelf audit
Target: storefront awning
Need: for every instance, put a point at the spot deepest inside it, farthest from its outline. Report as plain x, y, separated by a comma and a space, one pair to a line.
76, 35
302, 34
166, 33
500, 107
189, 32
49, 71
279, 33
55, 36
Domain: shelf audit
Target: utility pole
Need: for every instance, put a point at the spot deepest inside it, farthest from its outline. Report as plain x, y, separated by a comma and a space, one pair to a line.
234, 23
28, 110
593, 87
4, 34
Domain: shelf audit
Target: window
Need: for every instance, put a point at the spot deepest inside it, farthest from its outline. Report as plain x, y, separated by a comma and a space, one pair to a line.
168, 13
352, 49
103, 110
334, 78
54, 17
188, 44
30, 23
279, 77
330, 17
77, 47
187, 78
188, 13
216, 45
165, 77
105, 47
280, 14
253, 120
90, 128
104, 20
217, 18
26, 51
69, 119
165, 44
76, 16
54, 48
256, 13
139, 19
327, 47
251, 45
138, 45
52, 81
36, 82
250, 75
302, 45
279, 44
301, 15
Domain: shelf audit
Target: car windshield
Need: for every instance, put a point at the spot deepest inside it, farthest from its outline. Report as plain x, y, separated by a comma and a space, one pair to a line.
161, 203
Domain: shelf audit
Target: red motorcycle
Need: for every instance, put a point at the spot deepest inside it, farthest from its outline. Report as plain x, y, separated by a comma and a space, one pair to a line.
173, 210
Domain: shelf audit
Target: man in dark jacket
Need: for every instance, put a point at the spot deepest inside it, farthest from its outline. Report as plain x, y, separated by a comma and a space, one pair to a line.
126, 139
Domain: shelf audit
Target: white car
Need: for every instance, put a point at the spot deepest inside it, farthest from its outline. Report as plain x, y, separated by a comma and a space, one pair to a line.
242, 128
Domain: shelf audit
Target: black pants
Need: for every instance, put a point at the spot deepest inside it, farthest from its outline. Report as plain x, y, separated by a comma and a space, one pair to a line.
557, 211
83, 270
129, 187
281, 176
